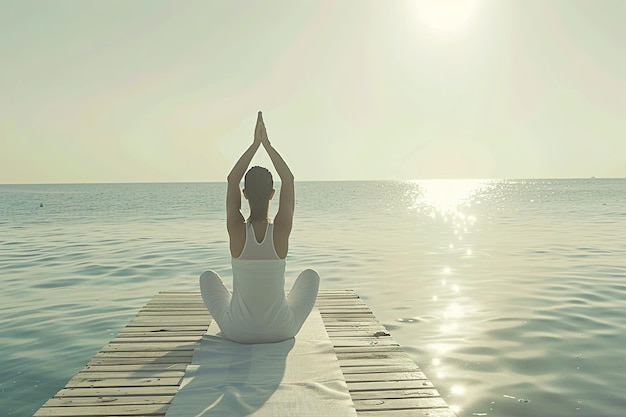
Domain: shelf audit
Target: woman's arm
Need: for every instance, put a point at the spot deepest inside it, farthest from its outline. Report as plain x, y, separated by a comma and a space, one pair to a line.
234, 217
286, 205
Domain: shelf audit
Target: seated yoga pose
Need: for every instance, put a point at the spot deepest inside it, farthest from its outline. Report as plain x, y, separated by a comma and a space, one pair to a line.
257, 310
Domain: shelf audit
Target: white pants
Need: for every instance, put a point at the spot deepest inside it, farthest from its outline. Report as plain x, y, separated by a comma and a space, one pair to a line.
298, 304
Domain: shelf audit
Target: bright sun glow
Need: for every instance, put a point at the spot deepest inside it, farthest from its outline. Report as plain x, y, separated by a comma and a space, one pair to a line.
446, 195
446, 17
457, 390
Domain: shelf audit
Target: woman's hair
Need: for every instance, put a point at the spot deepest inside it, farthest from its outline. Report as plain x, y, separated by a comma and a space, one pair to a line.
258, 185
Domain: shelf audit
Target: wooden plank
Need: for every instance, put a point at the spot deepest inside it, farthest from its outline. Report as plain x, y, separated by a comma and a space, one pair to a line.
112, 382
103, 410
161, 338
411, 412
97, 401
174, 357
125, 373
373, 369
144, 354
387, 385
154, 368
386, 376
138, 360
399, 403
391, 394
138, 372
117, 391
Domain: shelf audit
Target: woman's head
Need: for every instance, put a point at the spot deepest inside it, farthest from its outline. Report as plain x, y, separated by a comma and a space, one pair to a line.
258, 189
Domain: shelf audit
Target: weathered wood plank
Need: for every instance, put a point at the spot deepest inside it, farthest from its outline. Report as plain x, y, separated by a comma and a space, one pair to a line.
387, 385
138, 360
103, 410
396, 393
385, 376
157, 338
117, 391
138, 373
376, 355
363, 341
373, 369
98, 401
111, 382
399, 403
412, 412
145, 354
154, 368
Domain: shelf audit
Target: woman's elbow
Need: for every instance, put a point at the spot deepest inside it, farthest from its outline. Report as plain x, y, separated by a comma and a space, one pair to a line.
287, 177
231, 179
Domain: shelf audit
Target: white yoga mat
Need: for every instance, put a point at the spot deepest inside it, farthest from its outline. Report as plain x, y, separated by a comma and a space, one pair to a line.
293, 378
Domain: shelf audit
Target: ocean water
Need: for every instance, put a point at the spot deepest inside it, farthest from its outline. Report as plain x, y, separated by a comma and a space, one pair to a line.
509, 294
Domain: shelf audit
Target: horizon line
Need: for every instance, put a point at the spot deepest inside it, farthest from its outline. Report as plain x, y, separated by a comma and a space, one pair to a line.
334, 180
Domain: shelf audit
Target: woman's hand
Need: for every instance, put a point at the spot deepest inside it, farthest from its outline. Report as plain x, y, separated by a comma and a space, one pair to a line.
259, 130
260, 133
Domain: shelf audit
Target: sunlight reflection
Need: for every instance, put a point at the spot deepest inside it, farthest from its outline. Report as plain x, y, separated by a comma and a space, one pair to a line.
445, 196
449, 328
449, 204
449, 201
457, 390
454, 311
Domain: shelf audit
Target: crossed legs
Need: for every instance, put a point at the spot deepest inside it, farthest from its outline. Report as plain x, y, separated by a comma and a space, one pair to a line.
215, 295
303, 294
300, 300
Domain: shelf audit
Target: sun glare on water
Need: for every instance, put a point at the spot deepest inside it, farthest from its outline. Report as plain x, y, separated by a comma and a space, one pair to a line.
446, 196
450, 201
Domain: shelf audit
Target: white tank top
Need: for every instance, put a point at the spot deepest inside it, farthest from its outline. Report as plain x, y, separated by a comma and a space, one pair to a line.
253, 250
258, 309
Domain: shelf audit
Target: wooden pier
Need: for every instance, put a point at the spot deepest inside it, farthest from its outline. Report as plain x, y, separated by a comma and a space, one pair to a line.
139, 371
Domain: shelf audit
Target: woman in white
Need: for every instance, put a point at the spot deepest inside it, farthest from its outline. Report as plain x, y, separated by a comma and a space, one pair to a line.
257, 310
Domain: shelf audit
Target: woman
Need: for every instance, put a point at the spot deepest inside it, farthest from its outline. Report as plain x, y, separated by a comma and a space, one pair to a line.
257, 311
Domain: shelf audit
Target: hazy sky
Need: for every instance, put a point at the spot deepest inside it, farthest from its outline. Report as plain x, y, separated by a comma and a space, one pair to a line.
134, 91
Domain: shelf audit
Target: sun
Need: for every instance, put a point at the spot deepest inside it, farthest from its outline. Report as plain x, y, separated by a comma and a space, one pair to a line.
446, 18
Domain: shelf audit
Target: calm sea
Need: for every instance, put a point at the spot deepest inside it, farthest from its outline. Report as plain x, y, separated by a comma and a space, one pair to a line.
510, 294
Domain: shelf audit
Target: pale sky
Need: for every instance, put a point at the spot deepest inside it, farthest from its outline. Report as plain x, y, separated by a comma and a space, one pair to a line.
151, 91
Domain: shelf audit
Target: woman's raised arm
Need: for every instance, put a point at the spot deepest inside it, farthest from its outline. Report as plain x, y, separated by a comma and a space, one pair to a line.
286, 204
234, 217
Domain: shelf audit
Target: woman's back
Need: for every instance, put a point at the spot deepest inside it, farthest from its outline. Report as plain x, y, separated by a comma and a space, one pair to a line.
258, 242
278, 233
257, 311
